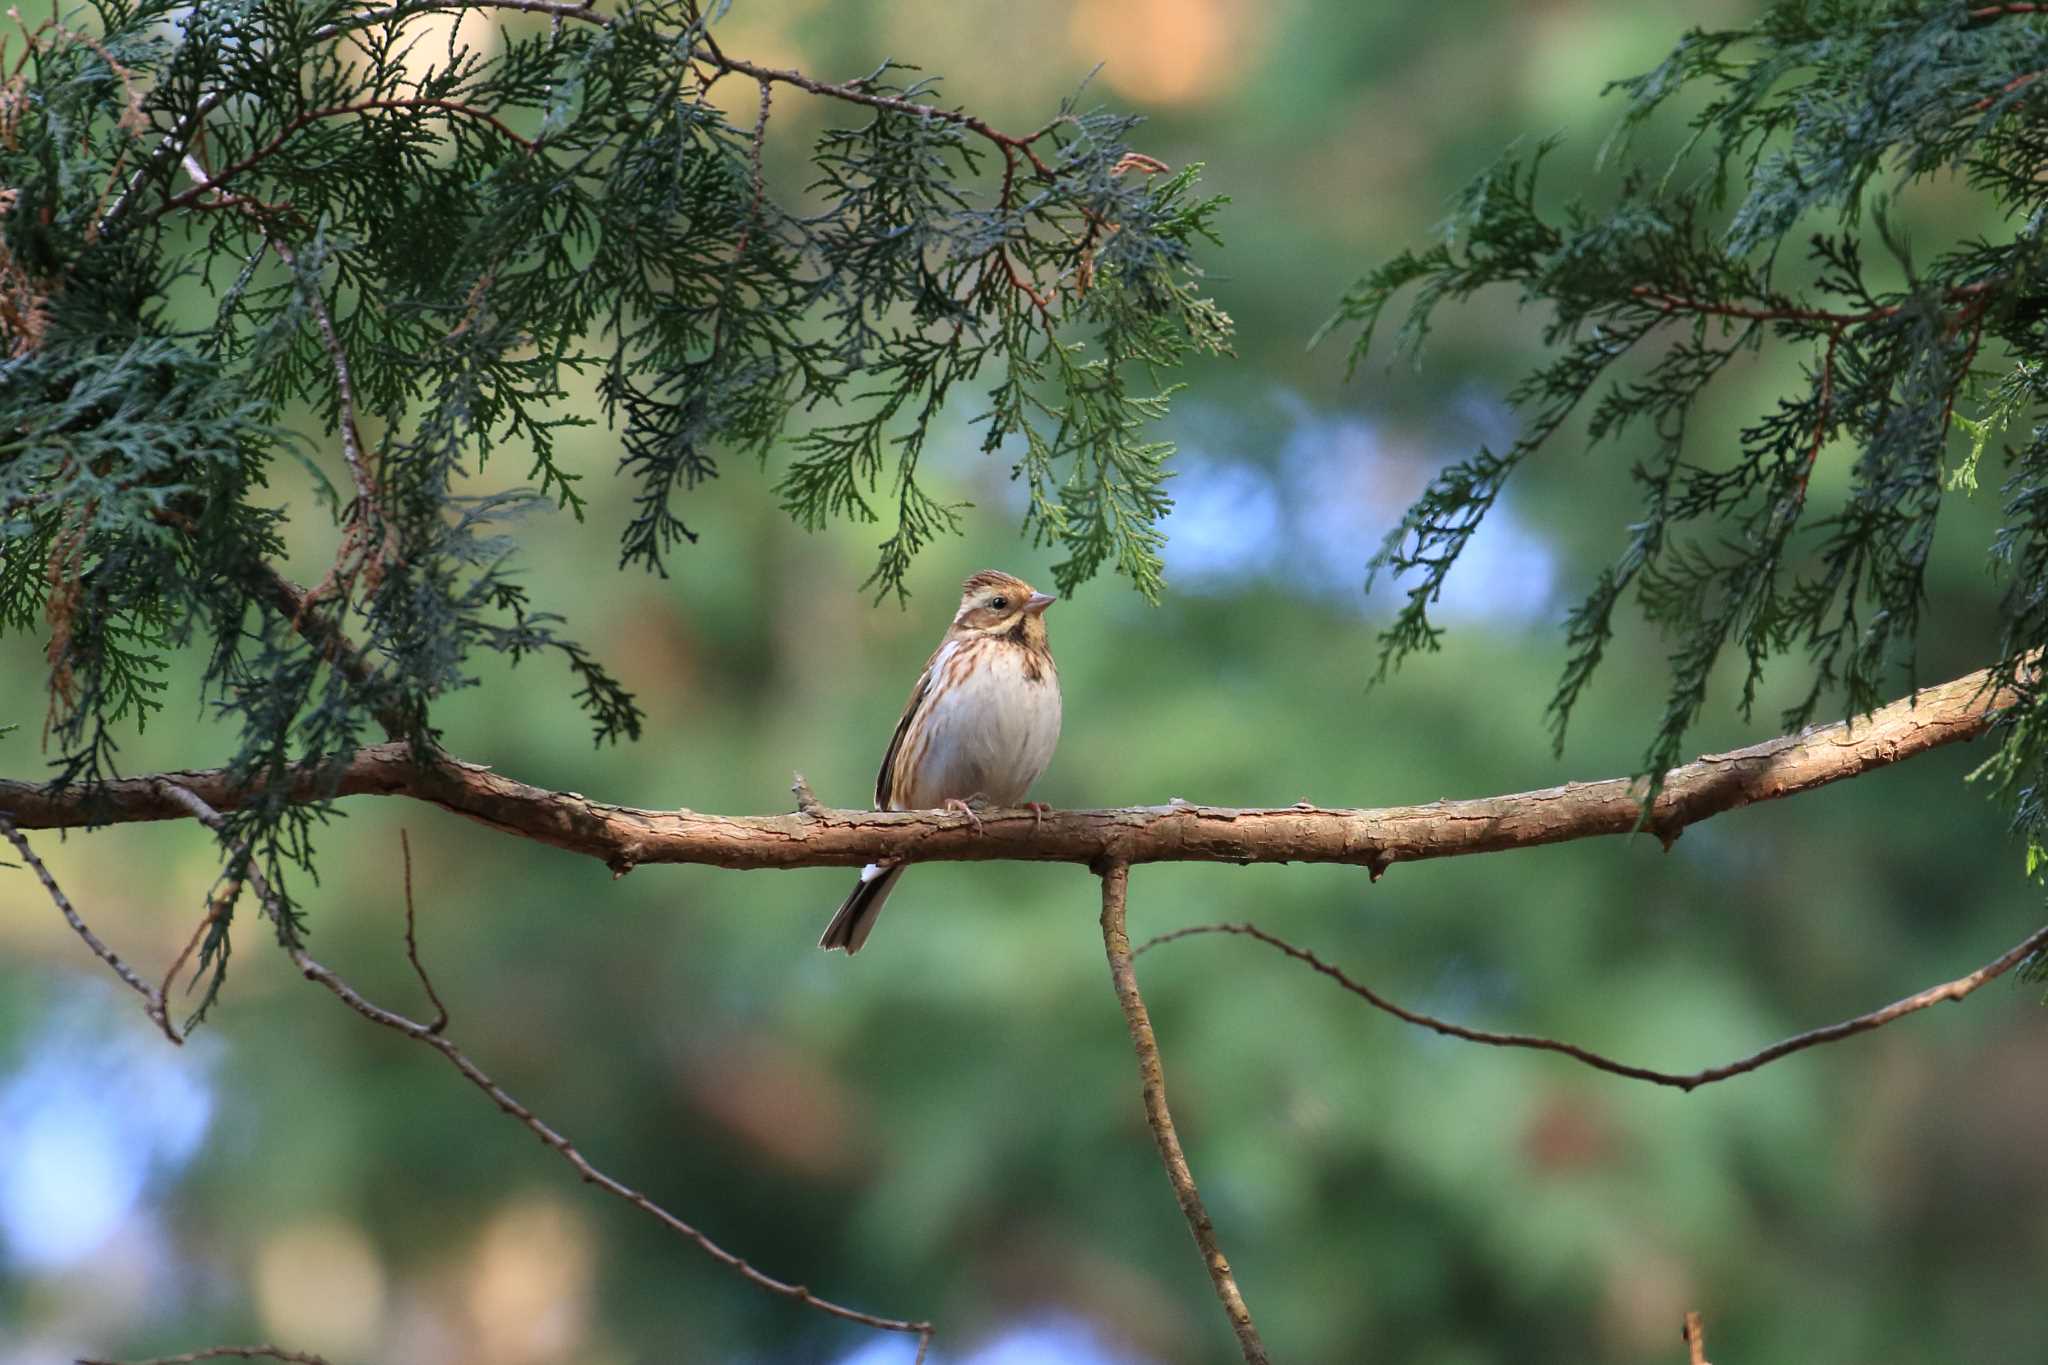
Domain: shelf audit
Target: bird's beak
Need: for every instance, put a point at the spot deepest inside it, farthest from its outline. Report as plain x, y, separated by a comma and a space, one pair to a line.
1036, 604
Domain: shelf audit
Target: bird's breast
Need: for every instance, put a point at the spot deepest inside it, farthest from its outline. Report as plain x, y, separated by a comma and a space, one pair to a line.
991, 720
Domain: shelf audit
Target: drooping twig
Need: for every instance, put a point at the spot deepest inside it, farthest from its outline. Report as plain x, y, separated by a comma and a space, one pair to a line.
1116, 943
756, 146
623, 836
153, 1001
219, 903
1688, 1081
1823, 421
476, 1076
412, 947
206, 921
223, 1353
418, 1032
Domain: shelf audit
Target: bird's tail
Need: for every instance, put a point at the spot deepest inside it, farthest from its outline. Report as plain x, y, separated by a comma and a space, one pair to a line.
850, 927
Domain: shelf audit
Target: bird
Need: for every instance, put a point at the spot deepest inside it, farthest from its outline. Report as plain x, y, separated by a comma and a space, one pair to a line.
980, 726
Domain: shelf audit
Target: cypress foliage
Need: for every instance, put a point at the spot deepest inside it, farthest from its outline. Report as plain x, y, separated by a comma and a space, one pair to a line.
1811, 125
420, 244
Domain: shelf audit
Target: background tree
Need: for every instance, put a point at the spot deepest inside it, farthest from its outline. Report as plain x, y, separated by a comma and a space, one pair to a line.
392, 313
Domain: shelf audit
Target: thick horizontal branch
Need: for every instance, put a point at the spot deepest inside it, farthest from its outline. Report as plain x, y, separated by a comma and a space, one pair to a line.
624, 837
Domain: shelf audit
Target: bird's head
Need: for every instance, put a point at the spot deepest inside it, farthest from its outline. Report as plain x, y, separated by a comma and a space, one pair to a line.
995, 603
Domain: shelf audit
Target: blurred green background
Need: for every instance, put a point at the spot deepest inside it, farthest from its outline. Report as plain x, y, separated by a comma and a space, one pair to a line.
949, 1125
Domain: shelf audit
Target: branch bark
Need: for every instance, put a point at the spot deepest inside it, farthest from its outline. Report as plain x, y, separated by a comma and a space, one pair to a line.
222, 1353
624, 837
1116, 942
1694, 1334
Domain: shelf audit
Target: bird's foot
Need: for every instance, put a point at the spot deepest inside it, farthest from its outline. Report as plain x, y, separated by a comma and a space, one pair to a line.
1039, 810
967, 809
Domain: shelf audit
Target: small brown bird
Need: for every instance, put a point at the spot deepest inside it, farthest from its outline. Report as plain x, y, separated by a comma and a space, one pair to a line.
980, 727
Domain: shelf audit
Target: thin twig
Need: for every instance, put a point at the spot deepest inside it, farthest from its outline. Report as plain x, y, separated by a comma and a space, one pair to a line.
851, 92
223, 1353
855, 93
412, 947
1694, 1335
1692, 307
1827, 408
168, 150
2019, 82
579, 10
211, 916
368, 507
1689, 1081
475, 1075
320, 629
330, 341
217, 905
1116, 942
728, 291
153, 1000
755, 148
212, 184
342, 991
344, 386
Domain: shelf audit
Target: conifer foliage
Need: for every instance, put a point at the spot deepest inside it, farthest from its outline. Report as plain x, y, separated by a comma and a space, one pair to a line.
217, 219
1778, 223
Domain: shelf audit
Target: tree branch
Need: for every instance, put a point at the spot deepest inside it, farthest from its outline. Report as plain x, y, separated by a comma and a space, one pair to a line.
223, 1353
412, 945
432, 1037
624, 837
1688, 1081
153, 1001
330, 339
1694, 1335
1116, 943
299, 608
579, 10
211, 184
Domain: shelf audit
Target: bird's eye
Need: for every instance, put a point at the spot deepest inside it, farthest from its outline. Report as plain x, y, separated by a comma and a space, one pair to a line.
998, 603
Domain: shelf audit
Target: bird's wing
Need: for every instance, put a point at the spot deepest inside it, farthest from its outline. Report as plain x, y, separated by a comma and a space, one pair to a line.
885, 780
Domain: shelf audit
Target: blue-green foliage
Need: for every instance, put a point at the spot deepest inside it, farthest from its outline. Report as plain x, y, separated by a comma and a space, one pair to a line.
1810, 124
456, 234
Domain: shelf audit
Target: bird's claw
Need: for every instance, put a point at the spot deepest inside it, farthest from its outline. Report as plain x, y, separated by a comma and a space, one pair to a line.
1039, 810
963, 808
